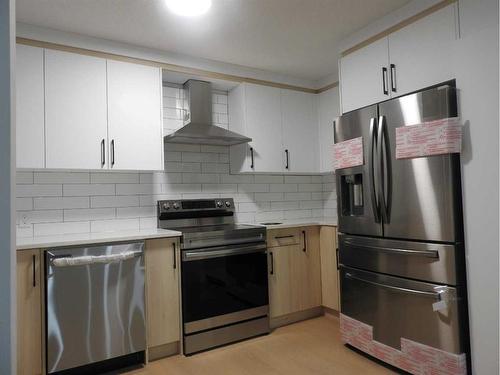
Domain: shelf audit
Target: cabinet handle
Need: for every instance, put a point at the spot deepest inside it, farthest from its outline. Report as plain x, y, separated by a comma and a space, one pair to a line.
287, 159
103, 152
304, 249
280, 237
338, 259
393, 78
251, 158
34, 270
272, 263
384, 80
175, 258
112, 152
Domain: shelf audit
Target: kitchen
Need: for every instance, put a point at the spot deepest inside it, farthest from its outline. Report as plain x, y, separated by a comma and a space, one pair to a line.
181, 204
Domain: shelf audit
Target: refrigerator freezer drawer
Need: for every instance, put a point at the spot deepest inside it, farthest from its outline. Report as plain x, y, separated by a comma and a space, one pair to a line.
414, 260
398, 308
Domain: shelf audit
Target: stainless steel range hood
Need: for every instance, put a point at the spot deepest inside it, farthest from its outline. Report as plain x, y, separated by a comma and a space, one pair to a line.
198, 128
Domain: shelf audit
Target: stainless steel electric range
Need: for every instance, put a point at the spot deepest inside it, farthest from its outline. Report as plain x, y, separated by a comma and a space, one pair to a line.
224, 272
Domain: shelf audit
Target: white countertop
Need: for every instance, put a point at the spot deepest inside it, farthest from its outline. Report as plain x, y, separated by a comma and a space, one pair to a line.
295, 223
42, 242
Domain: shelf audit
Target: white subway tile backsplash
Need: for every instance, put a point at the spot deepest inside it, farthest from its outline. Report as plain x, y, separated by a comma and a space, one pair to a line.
220, 188
283, 188
24, 204
48, 229
34, 217
135, 212
38, 191
114, 201
114, 225
135, 189
78, 190
23, 177
56, 202
60, 203
268, 179
147, 223
221, 168
114, 178
310, 187
253, 188
207, 157
62, 177
24, 231
87, 214
190, 178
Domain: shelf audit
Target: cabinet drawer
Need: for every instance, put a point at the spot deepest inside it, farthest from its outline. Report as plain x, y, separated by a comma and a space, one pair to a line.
284, 237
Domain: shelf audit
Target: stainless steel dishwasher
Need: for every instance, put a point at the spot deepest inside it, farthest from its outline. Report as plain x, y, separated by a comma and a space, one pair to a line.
95, 307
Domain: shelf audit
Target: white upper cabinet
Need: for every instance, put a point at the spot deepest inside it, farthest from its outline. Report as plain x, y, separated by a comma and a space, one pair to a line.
30, 112
412, 58
255, 111
420, 53
300, 132
75, 108
328, 111
364, 76
134, 112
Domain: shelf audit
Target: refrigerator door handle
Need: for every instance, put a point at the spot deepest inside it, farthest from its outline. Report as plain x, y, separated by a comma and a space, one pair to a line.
373, 140
384, 163
435, 295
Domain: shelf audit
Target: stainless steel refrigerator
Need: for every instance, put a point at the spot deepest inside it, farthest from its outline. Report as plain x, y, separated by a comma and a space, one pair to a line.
401, 245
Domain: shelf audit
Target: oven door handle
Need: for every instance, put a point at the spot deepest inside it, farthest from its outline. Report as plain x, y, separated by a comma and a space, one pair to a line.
222, 251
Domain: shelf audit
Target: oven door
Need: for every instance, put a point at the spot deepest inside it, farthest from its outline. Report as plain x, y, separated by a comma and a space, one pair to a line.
224, 285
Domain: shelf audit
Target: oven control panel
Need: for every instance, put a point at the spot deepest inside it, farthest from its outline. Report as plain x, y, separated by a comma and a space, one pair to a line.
187, 205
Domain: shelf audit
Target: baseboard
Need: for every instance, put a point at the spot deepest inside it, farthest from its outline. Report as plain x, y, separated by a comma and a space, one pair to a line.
284, 320
162, 351
328, 311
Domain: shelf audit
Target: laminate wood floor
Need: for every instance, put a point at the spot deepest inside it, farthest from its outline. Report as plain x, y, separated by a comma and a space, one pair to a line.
309, 347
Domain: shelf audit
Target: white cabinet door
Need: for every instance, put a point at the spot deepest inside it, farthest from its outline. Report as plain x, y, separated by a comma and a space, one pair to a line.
421, 52
362, 77
75, 108
134, 112
260, 116
300, 132
30, 111
328, 111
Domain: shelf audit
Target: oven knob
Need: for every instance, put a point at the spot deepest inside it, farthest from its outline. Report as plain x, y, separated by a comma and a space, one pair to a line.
176, 205
219, 204
166, 206
228, 204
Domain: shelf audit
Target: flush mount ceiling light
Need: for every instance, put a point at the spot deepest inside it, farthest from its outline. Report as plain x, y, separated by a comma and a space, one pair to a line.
189, 8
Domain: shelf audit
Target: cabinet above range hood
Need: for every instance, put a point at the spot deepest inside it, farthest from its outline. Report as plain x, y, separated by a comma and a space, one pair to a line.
198, 128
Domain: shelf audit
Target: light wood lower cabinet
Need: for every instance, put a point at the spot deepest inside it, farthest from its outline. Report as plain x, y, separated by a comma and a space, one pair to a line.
294, 273
29, 313
330, 284
162, 296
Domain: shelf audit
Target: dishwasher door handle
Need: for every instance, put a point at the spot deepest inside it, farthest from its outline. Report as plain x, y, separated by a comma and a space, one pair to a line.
86, 260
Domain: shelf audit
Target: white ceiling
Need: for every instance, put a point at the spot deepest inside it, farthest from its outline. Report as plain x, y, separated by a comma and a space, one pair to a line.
294, 37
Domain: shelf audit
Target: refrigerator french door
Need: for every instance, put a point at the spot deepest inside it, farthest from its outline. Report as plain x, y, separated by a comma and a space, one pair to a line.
411, 199
401, 234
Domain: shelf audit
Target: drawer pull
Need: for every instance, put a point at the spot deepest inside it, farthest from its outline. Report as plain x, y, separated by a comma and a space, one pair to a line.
282, 237
395, 288
272, 263
394, 250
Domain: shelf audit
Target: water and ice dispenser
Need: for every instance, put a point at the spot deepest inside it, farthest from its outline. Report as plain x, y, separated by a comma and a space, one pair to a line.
352, 194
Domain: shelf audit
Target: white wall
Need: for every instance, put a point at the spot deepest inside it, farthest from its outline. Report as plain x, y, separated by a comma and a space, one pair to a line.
54, 202
476, 66
7, 159
83, 41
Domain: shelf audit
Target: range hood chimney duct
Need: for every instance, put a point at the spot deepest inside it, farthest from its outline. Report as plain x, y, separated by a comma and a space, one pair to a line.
198, 128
